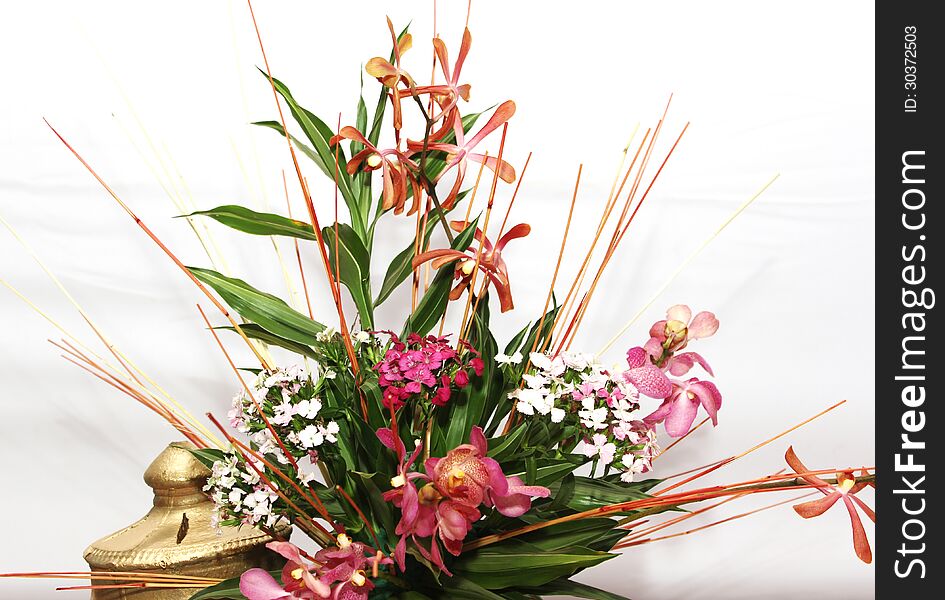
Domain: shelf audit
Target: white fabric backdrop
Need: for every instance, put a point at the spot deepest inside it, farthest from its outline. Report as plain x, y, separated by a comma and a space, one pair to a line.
769, 88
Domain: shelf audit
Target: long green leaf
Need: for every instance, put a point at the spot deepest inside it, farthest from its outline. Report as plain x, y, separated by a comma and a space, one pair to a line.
257, 223
566, 587
523, 565
255, 332
401, 267
353, 266
268, 311
302, 146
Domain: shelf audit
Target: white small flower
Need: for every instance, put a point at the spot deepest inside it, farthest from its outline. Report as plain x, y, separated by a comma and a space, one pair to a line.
330, 374
311, 437
308, 409
557, 415
576, 360
505, 359
362, 337
536, 381
540, 361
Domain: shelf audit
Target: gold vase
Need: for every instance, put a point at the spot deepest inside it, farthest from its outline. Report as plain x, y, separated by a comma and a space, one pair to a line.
176, 535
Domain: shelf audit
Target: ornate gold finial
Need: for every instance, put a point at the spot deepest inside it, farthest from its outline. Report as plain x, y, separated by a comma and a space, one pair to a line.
176, 536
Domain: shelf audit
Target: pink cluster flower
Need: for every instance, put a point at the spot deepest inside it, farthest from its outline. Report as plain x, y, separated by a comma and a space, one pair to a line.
338, 573
650, 363
424, 368
442, 502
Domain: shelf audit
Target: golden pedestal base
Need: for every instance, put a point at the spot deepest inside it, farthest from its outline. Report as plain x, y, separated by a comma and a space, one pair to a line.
176, 535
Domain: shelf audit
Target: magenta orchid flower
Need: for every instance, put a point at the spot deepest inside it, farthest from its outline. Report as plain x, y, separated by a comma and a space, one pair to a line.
491, 262
846, 489
679, 409
461, 152
397, 171
453, 488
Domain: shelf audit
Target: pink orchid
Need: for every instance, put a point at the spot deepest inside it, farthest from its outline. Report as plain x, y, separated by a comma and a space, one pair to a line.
491, 262
846, 489
679, 409
298, 579
467, 476
397, 170
645, 376
453, 487
674, 332
461, 152
391, 75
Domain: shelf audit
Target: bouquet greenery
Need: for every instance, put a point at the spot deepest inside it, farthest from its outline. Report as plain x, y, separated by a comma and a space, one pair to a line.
421, 462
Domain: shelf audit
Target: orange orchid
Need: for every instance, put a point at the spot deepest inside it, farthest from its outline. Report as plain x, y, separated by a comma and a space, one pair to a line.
396, 169
458, 154
391, 75
846, 488
447, 95
490, 262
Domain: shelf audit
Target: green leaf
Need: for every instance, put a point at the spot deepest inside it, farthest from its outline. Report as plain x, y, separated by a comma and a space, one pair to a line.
566, 587
353, 268
229, 588
503, 447
523, 565
550, 473
302, 146
593, 493
572, 533
268, 311
206, 456
467, 410
325, 156
433, 303
401, 267
257, 223
255, 332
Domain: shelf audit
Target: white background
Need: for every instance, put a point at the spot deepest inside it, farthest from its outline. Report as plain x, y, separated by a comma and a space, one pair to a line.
769, 88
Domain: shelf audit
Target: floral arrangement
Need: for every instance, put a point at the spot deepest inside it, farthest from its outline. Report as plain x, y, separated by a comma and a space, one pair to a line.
424, 462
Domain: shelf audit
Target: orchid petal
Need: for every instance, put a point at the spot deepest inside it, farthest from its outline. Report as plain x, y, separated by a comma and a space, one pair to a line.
463, 52
709, 396
287, 551
478, 439
861, 544
636, 357
869, 511
679, 421
650, 381
519, 231
703, 325
815, 508
506, 171
257, 584
502, 114
435, 254
680, 364
795, 463
679, 312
